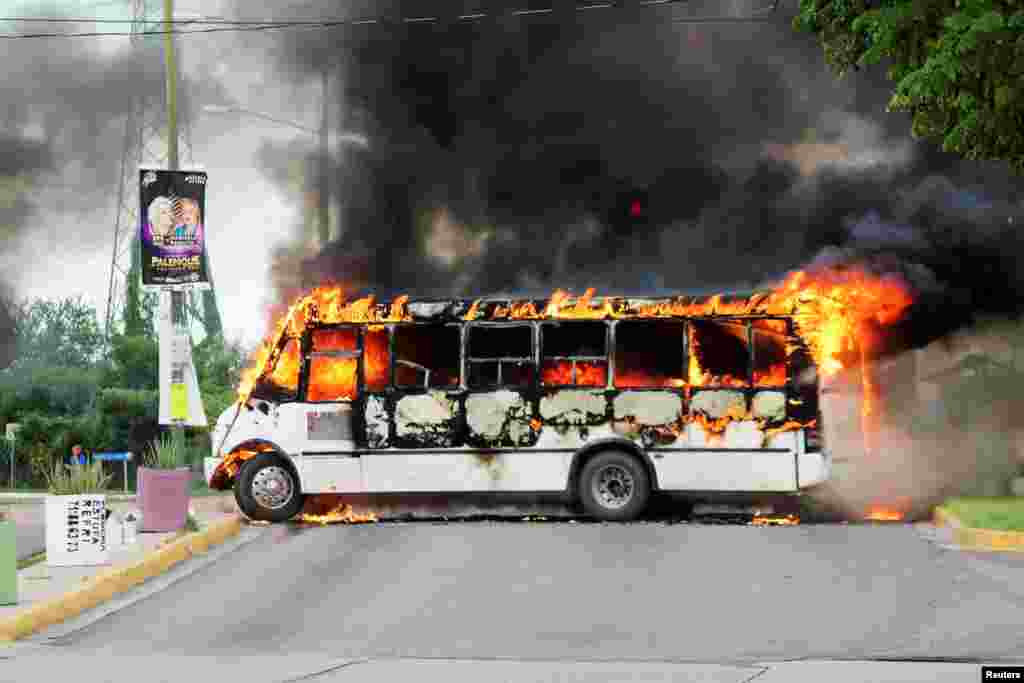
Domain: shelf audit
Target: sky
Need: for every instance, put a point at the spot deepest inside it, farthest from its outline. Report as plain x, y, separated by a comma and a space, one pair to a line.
495, 157
62, 253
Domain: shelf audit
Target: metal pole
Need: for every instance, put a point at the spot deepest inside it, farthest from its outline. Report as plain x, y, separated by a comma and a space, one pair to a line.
324, 154
171, 70
177, 296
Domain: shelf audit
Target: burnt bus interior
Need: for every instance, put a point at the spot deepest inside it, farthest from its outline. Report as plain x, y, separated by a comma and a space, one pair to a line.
358, 362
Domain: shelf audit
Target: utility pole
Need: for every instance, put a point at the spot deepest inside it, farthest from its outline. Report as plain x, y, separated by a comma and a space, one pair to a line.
325, 230
178, 314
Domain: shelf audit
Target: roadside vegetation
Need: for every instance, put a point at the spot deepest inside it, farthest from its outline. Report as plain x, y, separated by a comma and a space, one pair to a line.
69, 385
999, 514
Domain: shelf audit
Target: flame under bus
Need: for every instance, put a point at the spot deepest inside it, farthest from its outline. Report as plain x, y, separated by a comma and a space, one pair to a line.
464, 397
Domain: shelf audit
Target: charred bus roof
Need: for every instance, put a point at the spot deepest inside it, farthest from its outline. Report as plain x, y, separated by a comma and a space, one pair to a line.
527, 306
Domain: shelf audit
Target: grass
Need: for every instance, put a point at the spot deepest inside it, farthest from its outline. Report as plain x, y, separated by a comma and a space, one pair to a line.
1000, 514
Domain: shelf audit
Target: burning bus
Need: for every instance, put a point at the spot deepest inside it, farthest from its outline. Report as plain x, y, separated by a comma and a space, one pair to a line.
607, 399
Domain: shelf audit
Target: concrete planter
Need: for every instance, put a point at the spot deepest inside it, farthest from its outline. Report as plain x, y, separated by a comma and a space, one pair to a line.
163, 498
8, 565
76, 530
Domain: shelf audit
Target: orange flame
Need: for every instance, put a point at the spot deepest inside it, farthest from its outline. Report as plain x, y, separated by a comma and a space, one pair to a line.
775, 520
587, 374
830, 307
327, 305
883, 513
329, 508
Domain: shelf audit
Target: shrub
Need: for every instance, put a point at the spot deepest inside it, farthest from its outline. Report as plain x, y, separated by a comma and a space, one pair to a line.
76, 479
132, 403
167, 453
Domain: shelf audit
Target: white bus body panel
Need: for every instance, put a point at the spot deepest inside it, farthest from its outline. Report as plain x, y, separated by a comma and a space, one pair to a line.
331, 474
328, 463
753, 471
465, 471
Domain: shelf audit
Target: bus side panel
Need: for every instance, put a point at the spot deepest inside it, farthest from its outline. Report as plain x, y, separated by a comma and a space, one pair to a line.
331, 473
732, 470
462, 471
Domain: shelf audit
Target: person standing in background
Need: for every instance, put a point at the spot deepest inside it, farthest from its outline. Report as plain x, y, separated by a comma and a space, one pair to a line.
78, 456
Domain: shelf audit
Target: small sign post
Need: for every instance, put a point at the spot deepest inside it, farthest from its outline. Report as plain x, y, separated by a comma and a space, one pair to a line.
116, 457
12, 434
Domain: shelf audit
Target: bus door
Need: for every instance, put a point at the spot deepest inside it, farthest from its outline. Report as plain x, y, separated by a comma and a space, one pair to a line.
330, 460
424, 413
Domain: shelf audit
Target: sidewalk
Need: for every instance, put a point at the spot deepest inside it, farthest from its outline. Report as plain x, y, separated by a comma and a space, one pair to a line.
40, 582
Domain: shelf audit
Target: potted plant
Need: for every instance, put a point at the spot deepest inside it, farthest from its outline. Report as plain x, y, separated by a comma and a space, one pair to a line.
163, 485
76, 515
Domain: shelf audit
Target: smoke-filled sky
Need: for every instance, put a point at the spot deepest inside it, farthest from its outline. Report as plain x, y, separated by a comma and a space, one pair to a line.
498, 153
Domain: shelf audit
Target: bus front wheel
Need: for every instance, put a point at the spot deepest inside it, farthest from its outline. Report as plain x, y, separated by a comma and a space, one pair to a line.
614, 486
266, 489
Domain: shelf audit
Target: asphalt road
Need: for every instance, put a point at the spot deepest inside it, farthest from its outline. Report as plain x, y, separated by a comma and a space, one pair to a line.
562, 591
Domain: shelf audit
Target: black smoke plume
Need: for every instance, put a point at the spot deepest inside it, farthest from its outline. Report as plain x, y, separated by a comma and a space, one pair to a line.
635, 155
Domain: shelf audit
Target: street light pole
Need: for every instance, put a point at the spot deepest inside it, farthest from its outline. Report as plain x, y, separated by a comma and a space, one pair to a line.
171, 68
325, 232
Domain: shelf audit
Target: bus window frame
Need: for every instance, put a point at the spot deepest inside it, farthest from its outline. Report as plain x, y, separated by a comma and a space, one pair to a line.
751, 333
468, 360
684, 353
574, 359
297, 396
308, 354
389, 383
393, 356
725, 320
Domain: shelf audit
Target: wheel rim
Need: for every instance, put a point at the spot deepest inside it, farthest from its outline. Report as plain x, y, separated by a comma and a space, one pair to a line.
613, 487
272, 487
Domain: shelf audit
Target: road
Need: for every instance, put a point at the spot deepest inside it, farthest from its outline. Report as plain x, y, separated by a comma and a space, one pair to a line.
574, 592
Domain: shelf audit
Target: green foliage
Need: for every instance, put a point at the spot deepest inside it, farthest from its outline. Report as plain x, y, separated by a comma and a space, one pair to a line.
131, 403
46, 440
167, 453
1003, 514
76, 479
135, 363
60, 333
51, 390
958, 65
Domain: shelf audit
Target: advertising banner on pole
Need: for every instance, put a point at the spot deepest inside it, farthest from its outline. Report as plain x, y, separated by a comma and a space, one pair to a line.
180, 400
171, 228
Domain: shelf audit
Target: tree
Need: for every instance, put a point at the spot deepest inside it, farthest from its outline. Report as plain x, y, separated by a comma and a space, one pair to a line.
958, 65
136, 363
57, 333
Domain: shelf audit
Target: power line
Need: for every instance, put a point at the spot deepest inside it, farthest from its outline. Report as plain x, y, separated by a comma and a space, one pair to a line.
233, 25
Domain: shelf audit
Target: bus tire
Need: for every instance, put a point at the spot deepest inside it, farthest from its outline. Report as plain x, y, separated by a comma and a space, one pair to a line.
267, 489
614, 486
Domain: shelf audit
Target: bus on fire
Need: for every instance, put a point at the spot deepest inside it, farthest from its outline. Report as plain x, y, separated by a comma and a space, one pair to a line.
608, 401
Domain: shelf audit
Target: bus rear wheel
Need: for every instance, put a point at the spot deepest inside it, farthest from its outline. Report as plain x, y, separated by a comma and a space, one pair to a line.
614, 486
266, 489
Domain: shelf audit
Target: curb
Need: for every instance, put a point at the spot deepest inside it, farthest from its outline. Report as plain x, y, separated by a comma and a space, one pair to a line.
9, 499
969, 538
105, 585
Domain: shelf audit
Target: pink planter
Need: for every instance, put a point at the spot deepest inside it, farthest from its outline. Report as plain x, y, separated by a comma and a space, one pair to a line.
163, 498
